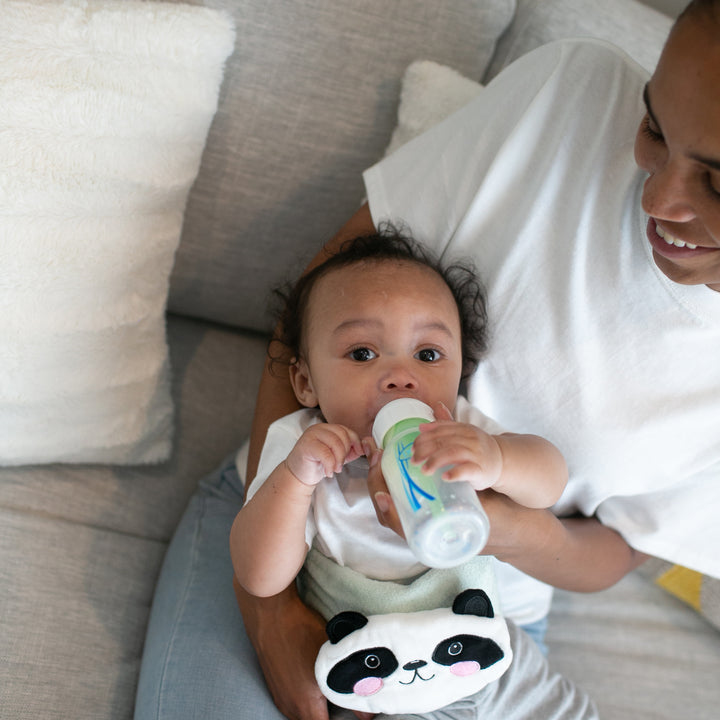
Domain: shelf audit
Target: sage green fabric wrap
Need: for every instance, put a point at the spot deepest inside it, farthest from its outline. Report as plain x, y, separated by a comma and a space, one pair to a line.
331, 588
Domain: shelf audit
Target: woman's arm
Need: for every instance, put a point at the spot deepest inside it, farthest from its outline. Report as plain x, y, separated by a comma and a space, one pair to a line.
287, 636
579, 553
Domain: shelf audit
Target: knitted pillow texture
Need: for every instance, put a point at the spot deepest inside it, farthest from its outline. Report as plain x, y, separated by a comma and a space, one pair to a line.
105, 109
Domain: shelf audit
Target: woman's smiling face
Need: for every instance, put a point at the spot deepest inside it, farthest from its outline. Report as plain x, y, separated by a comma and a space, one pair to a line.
678, 145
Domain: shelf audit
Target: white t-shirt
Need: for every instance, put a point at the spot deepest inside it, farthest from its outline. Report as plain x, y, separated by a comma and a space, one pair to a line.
343, 526
592, 346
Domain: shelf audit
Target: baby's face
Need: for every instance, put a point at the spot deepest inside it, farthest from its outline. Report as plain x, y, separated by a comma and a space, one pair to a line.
376, 331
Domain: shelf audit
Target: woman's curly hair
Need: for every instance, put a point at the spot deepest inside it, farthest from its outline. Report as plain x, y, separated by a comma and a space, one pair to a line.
388, 243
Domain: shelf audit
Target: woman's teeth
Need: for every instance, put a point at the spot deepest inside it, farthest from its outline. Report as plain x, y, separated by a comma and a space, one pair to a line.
670, 240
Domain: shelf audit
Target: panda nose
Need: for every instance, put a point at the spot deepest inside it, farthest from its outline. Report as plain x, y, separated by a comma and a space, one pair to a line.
414, 665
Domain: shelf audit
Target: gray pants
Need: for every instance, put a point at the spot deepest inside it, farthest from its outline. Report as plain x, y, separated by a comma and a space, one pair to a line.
199, 664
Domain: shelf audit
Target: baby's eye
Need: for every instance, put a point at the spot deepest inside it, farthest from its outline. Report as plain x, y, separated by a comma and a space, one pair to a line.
428, 355
362, 354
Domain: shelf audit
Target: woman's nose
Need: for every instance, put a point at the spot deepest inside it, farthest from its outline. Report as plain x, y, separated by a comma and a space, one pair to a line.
666, 194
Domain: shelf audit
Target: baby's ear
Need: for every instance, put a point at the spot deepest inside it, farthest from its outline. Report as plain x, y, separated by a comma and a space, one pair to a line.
302, 384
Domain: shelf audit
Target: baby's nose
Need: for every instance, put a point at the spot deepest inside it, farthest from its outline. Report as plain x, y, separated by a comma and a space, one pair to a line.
399, 377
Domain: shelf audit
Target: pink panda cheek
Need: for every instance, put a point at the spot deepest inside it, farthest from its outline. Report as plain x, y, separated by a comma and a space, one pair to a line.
463, 669
368, 686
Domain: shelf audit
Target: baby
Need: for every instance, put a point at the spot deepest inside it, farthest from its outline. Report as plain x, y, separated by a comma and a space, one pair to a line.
378, 321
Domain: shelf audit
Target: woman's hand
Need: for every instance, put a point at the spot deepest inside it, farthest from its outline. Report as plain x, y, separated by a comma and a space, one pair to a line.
287, 635
378, 490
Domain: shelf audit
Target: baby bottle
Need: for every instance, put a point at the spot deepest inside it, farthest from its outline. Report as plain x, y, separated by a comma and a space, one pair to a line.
444, 522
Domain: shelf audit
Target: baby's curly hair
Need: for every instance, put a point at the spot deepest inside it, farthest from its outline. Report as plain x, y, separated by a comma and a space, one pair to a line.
387, 244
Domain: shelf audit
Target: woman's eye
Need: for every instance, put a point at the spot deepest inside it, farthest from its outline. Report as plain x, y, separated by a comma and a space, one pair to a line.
650, 132
362, 354
428, 355
713, 185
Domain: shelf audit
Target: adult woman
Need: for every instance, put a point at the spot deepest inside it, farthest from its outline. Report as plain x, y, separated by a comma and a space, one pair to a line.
618, 327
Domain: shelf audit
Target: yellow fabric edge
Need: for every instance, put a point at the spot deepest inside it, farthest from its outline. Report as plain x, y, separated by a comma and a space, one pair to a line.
683, 583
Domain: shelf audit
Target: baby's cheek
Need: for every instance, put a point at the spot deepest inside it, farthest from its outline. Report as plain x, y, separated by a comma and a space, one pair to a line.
463, 669
367, 686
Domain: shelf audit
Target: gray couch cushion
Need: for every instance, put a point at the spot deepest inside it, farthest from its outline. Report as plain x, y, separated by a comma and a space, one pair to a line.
74, 608
81, 546
638, 651
308, 103
632, 26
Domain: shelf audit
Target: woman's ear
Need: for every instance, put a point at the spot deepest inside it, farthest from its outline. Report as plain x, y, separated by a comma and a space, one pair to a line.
302, 385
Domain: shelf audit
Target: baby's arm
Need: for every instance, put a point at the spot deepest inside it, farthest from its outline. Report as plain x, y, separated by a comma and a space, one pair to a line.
527, 468
267, 539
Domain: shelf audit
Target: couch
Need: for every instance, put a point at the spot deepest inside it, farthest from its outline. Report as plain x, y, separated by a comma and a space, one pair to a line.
309, 98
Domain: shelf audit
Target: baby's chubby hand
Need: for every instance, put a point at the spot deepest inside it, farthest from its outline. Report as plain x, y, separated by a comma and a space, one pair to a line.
474, 455
321, 451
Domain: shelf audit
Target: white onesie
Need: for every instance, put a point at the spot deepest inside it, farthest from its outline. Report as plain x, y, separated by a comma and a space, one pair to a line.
342, 526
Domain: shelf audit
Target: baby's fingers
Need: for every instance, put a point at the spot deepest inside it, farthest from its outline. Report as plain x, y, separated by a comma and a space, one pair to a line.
344, 445
469, 472
442, 444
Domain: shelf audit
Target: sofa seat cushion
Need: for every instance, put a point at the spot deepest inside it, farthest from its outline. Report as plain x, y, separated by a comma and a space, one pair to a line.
81, 545
638, 651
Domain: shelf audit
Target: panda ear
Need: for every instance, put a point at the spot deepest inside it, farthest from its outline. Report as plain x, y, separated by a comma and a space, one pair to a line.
473, 602
344, 623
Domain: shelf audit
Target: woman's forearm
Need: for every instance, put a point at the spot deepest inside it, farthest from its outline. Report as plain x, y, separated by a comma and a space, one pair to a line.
579, 554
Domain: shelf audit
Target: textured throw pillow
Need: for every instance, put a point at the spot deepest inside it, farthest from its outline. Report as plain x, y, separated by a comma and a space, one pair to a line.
105, 110
430, 92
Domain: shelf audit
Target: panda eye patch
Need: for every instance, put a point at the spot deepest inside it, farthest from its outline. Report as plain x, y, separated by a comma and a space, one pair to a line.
378, 662
465, 648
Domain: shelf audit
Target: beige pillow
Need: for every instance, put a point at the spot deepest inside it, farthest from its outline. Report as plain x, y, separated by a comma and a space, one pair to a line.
430, 92
105, 110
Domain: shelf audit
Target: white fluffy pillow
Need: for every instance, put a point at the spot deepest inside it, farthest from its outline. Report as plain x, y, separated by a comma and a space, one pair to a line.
105, 110
430, 92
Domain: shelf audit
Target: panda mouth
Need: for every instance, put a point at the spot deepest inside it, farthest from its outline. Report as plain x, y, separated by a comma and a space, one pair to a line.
416, 676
